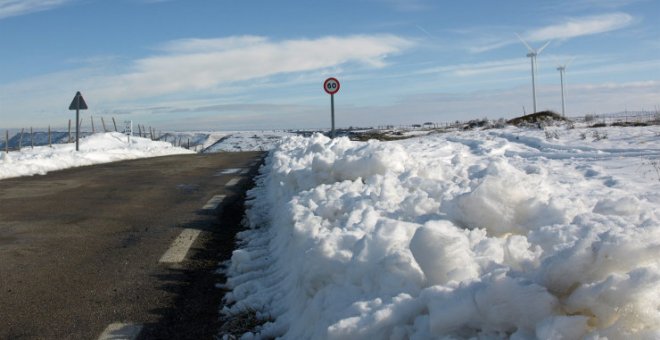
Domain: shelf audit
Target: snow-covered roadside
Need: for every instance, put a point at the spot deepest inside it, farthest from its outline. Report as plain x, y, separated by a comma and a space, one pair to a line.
494, 234
95, 149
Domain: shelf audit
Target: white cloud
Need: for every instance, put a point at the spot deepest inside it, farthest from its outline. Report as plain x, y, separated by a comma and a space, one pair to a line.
204, 64
569, 28
201, 69
485, 47
12, 8
588, 5
618, 86
489, 67
576, 27
194, 45
405, 5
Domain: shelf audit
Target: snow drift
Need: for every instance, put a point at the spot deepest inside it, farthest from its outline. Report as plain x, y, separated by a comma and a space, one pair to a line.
489, 234
94, 149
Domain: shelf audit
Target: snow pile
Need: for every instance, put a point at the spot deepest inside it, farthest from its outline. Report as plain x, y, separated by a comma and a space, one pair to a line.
95, 149
488, 234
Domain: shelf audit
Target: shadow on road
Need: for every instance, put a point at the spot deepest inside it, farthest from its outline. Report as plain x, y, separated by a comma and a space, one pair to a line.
194, 314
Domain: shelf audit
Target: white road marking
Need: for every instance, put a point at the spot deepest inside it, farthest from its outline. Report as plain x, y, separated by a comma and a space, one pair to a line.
245, 171
180, 246
213, 203
232, 182
121, 331
227, 172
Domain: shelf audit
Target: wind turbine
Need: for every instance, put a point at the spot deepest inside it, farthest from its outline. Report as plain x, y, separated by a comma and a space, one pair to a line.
532, 56
562, 70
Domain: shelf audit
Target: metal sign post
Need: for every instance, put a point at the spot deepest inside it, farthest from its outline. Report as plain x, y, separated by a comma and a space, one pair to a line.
331, 86
332, 114
128, 129
78, 104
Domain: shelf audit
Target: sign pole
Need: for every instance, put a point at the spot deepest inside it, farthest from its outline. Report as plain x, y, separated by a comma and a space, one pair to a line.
128, 130
78, 103
77, 126
331, 86
332, 113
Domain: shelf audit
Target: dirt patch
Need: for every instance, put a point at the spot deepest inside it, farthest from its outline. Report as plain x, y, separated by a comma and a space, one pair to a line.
538, 119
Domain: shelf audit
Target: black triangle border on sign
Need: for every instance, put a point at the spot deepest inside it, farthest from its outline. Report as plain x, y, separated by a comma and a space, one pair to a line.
78, 102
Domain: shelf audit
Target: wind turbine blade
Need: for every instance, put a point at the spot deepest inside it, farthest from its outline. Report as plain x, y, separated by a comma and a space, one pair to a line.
424, 31
556, 61
524, 42
570, 61
543, 47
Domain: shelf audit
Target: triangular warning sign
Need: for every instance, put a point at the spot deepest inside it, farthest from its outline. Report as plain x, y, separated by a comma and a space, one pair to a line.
78, 102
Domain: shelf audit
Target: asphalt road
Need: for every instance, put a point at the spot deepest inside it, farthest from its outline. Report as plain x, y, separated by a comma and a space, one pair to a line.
81, 250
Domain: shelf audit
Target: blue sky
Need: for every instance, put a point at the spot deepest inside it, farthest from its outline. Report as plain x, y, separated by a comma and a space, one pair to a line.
176, 64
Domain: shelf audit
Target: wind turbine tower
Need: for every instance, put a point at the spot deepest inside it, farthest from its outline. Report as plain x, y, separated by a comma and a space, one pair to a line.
562, 71
532, 56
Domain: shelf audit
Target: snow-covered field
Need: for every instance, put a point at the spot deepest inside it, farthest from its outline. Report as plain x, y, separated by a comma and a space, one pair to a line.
226, 141
504, 233
95, 149
247, 141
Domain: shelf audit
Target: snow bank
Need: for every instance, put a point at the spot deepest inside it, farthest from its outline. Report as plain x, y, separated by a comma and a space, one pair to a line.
95, 149
496, 234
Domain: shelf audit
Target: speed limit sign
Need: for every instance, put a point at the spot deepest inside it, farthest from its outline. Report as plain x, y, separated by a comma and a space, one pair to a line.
331, 85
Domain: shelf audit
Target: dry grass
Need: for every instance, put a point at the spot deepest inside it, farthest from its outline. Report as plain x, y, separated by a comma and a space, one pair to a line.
538, 118
377, 135
234, 326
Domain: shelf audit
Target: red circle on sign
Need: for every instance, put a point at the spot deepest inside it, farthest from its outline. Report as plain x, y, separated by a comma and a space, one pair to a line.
331, 85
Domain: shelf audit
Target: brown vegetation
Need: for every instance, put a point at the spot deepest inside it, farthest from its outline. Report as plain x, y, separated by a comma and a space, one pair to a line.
538, 118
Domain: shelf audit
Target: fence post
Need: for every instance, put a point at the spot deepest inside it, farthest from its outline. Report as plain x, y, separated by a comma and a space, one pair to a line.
69, 141
20, 140
115, 123
139, 130
92, 119
103, 122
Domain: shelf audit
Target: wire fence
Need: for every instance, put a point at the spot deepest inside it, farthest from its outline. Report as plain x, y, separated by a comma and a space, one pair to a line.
621, 118
18, 139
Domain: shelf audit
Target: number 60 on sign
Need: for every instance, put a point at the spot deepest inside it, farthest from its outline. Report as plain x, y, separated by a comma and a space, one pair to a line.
331, 85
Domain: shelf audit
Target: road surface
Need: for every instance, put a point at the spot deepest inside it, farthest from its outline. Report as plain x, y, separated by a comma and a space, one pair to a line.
101, 252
